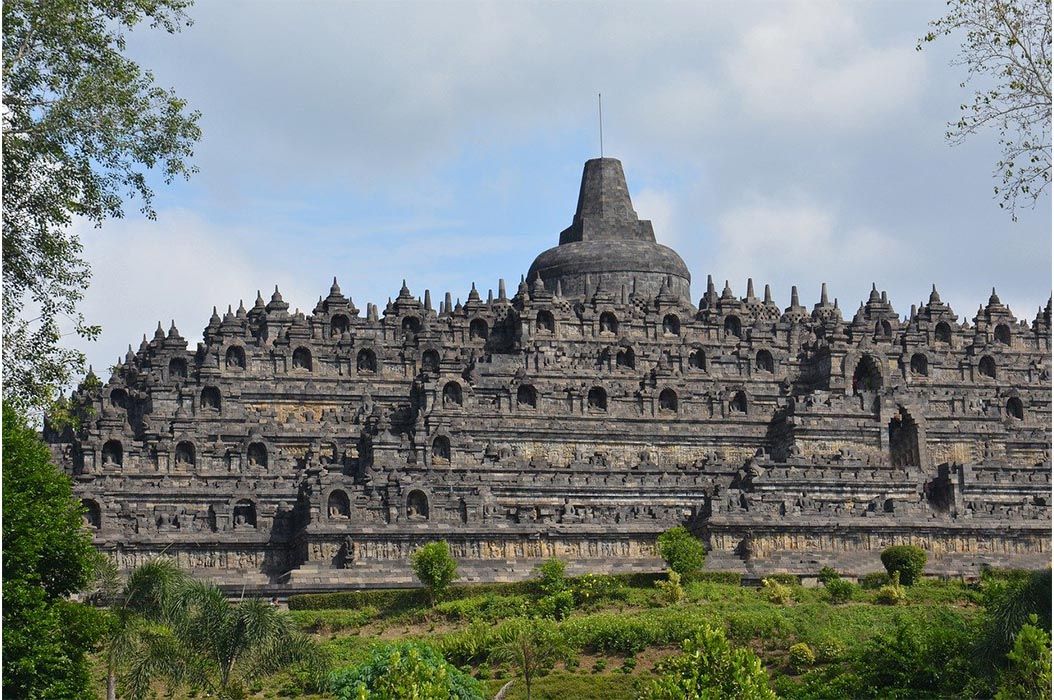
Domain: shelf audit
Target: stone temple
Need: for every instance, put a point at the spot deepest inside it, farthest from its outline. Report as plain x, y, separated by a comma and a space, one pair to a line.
595, 407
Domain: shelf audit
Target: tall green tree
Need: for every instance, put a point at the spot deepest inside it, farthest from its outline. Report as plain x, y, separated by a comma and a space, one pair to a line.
47, 556
84, 129
434, 567
1005, 50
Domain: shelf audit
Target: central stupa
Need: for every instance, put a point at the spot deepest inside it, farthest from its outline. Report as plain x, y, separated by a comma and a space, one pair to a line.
606, 245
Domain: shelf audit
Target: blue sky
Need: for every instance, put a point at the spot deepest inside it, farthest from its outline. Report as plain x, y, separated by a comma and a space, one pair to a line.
443, 143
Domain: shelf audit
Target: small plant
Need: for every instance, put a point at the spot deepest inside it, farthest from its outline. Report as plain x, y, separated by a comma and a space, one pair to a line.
907, 560
551, 576
1028, 673
683, 551
893, 593
875, 580
629, 664
801, 657
839, 590
572, 663
557, 606
671, 589
599, 665
827, 574
775, 592
435, 568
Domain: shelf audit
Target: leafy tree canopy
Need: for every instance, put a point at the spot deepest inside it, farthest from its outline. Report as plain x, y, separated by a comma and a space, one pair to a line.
83, 127
47, 556
405, 671
1006, 53
434, 567
683, 551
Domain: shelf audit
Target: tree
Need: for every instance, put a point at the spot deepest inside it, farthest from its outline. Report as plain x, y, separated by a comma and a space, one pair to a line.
1028, 675
139, 644
228, 642
47, 556
83, 128
1006, 48
907, 560
710, 668
434, 567
683, 551
532, 646
405, 671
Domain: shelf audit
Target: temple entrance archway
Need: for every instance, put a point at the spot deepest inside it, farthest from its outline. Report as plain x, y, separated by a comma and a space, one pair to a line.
904, 440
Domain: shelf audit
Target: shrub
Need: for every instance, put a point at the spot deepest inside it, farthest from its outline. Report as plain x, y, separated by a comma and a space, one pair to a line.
671, 589
801, 657
907, 560
729, 578
557, 606
892, 594
1008, 602
551, 578
531, 646
827, 574
405, 670
710, 667
839, 590
683, 551
775, 592
434, 567
875, 580
599, 665
1028, 674
629, 664
593, 588
785, 579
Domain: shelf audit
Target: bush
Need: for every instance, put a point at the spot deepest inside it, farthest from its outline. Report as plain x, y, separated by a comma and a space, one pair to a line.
1028, 674
593, 588
893, 594
775, 592
557, 606
671, 589
827, 574
839, 590
551, 578
801, 657
729, 578
682, 551
434, 567
905, 559
1008, 602
406, 670
710, 667
875, 580
785, 579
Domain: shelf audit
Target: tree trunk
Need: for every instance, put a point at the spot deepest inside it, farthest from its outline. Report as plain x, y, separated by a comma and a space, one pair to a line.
111, 685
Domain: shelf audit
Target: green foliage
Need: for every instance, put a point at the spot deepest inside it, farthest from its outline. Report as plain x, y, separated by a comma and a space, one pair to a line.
1006, 48
827, 574
918, 657
434, 567
874, 580
557, 606
551, 578
801, 656
709, 667
682, 551
671, 589
785, 579
532, 646
1028, 674
83, 127
1009, 600
892, 594
776, 592
730, 578
839, 590
47, 556
594, 588
487, 607
406, 671
905, 559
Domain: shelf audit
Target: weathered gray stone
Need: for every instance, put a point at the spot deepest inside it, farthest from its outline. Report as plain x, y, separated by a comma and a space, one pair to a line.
579, 418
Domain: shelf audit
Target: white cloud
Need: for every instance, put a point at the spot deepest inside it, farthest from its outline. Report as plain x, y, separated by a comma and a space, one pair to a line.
814, 63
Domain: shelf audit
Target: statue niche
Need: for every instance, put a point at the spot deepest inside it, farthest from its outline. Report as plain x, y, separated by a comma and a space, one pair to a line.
903, 440
112, 454
452, 394
430, 362
244, 515
185, 454
366, 361
235, 357
92, 514
302, 359
257, 454
339, 507
417, 506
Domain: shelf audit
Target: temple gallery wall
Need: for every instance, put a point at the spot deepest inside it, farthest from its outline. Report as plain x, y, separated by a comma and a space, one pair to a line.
578, 417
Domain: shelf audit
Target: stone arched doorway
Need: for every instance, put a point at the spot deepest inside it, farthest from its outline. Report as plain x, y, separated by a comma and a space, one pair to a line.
904, 440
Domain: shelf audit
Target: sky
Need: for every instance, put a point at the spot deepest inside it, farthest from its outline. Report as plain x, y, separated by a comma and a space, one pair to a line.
443, 143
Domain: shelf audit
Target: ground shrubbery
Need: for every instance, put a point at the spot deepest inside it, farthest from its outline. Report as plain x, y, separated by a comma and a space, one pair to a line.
405, 670
906, 560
